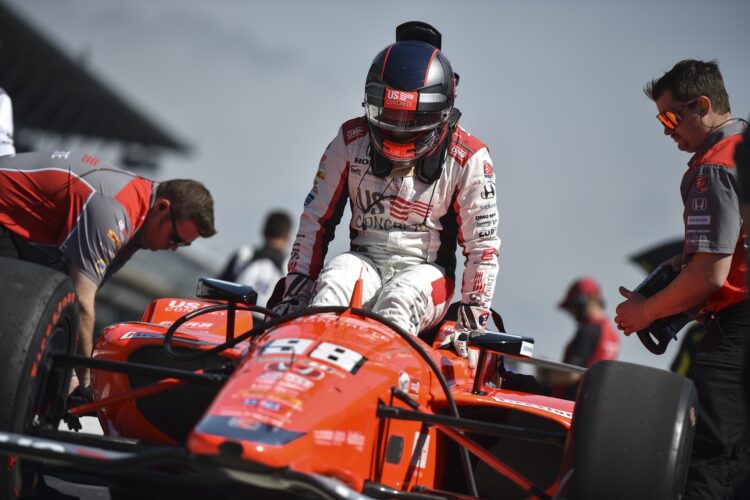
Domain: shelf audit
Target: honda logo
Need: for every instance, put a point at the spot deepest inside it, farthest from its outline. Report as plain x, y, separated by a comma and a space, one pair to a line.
699, 204
488, 192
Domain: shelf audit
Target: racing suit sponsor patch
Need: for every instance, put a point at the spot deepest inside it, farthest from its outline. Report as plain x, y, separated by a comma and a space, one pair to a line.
699, 220
701, 184
113, 236
700, 204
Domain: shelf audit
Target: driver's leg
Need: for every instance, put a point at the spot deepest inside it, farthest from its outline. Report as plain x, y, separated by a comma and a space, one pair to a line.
416, 299
335, 284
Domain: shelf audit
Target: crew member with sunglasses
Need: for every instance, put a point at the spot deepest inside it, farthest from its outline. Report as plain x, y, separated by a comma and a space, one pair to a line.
694, 111
74, 213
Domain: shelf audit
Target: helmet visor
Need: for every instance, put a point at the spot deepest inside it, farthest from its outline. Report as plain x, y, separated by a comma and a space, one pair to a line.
404, 120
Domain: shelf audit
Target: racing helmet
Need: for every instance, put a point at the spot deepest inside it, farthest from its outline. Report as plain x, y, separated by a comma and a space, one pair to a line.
409, 95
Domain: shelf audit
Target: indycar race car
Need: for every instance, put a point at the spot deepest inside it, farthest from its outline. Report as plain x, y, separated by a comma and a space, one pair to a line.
219, 398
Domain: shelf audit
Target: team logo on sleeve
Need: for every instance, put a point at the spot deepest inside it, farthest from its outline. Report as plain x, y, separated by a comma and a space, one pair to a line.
700, 204
488, 171
701, 184
113, 236
488, 192
100, 266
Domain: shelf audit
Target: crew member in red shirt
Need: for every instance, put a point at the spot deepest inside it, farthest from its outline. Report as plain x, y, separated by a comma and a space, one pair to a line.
595, 338
79, 215
693, 110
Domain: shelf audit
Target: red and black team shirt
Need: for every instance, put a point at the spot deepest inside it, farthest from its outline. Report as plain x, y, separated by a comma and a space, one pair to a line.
70, 209
710, 193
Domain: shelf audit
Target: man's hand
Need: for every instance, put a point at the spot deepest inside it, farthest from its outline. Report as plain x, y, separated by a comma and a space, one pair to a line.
470, 319
297, 294
633, 315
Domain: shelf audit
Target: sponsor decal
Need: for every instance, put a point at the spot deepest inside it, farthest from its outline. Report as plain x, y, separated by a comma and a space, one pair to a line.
182, 306
400, 99
90, 160
488, 253
60, 155
323, 158
527, 349
32, 443
699, 220
309, 199
555, 411
100, 266
488, 191
321, 174
403, 382
486, 216
121, 227
419, 457
486, 223
700, 184
479, 282
113, 236
488, 171
355, 170
362, 161
459, 153
286, 346
326, 437
700, 204
353, 134
487, 206
489, 232
370, 202
401, 208
342, 357
159, 336
482, 319
414, 385
244, 423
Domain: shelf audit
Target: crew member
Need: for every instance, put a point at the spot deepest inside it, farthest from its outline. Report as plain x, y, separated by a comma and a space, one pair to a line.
693, 110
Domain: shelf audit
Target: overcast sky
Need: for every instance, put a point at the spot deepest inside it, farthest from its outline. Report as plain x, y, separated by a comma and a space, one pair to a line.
584, 175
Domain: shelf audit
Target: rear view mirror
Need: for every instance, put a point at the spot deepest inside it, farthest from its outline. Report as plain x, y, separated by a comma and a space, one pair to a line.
209, 288
502, 343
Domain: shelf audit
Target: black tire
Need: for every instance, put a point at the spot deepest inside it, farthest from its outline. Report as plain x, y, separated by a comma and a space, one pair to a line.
38, 317
632, 433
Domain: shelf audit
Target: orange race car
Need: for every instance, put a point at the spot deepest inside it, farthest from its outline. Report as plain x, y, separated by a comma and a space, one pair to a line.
216, 397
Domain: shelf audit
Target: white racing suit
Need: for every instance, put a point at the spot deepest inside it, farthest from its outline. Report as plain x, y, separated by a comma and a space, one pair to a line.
403, 233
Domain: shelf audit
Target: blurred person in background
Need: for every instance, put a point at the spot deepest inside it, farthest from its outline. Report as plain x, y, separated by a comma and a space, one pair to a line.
6, 125
595, 338
262, 267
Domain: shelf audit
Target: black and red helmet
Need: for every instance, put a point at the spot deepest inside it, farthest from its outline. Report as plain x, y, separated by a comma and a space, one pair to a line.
409, 94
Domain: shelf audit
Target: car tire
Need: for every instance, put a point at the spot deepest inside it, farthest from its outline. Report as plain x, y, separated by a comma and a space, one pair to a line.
38, 318
632, 433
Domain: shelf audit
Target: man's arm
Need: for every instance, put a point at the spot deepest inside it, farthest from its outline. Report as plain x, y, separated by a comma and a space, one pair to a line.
86, 290
704, 275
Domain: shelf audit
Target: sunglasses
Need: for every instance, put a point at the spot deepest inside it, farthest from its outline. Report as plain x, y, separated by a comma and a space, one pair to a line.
174, 237
670, 119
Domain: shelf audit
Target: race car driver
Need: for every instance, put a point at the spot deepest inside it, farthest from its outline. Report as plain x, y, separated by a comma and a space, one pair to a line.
417, 183
77, 214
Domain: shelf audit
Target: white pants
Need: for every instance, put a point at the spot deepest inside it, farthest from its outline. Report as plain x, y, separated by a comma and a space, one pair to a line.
414, 296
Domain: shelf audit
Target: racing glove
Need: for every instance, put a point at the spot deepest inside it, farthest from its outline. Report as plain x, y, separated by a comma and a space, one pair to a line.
297, 294
470, 319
